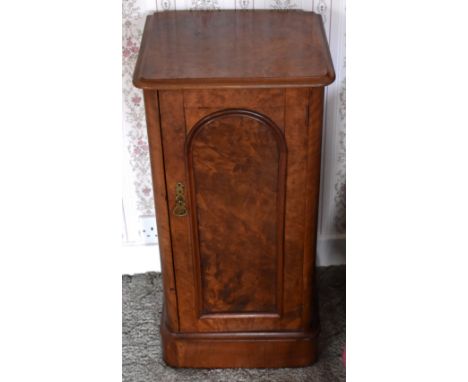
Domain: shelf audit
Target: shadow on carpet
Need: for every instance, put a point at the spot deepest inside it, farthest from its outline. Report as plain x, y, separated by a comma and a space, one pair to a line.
141, 343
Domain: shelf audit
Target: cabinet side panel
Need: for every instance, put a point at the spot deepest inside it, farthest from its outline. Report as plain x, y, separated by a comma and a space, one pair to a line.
314, 142
160, 197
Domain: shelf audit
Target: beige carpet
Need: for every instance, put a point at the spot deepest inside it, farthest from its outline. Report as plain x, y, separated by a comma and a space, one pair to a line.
141, 352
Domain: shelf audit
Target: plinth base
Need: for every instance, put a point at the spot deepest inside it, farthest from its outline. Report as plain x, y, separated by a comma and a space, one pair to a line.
238, 350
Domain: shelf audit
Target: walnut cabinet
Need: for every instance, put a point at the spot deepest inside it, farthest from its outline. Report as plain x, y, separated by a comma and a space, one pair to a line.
234, 104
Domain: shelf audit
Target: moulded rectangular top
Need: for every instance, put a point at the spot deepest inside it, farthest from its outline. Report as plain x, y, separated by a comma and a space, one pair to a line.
194, 49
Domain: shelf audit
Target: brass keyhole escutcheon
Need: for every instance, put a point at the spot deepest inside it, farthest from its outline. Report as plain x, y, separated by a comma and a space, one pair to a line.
180, 209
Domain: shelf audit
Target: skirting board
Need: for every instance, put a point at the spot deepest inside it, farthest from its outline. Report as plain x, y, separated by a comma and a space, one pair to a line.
140, 259
331, 251
145, 258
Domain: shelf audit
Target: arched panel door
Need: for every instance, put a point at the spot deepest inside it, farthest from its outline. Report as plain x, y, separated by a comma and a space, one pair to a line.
237, 239
236, 161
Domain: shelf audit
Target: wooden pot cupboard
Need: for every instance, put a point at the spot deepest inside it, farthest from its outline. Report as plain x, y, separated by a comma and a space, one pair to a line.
234, 103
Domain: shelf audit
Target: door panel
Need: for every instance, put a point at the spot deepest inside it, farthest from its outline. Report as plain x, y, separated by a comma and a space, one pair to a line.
238, 253
236, 163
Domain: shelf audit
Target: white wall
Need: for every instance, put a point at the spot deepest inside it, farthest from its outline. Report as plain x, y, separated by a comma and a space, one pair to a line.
139, 228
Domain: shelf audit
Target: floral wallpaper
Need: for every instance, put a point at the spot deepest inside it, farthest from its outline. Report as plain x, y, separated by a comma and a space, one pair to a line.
138, 206
339, 217
135, 138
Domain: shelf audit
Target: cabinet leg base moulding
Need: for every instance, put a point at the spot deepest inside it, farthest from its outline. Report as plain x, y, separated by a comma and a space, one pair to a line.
238, 350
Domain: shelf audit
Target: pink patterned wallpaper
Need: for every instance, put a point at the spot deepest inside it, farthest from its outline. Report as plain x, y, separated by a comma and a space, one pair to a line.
135, 137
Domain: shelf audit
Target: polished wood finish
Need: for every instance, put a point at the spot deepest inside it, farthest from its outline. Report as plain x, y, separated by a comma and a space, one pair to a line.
240, 156
232, 48
170, 315
238, 133
247, 350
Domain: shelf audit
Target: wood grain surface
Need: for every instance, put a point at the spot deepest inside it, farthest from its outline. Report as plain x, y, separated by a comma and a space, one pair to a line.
236, 161
184, 49
235, 136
